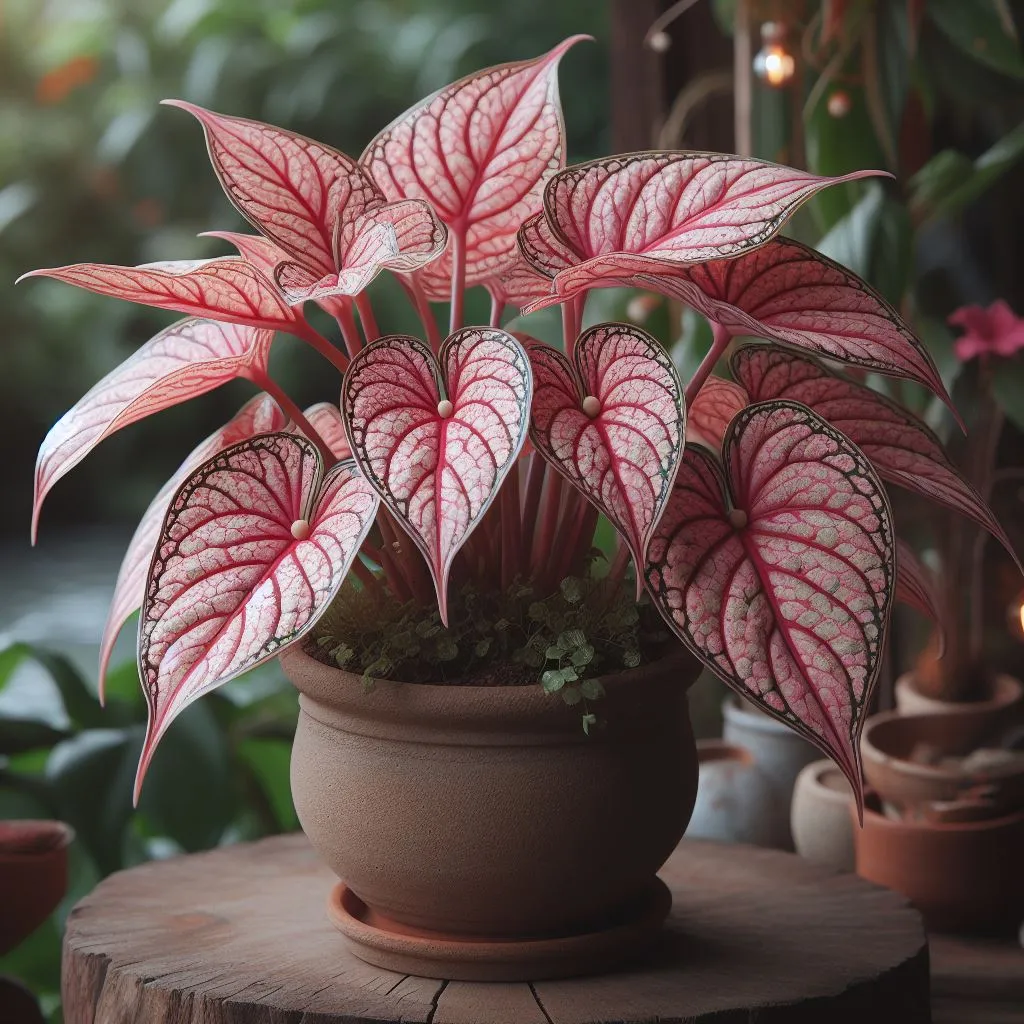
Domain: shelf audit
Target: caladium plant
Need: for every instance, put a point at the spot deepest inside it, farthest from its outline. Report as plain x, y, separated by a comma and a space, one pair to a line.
753, 510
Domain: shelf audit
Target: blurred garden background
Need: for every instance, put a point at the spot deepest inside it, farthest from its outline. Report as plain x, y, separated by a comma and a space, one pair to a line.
92, 168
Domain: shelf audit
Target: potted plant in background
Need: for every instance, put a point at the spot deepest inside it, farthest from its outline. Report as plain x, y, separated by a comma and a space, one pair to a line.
422, 555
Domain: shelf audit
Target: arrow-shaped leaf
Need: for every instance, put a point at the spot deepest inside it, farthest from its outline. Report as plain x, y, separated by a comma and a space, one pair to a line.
402, 236
779, 574
254, 546
261, 252
647, 211
792, 294
184, 360
479, 151
711, 412
225, 288
294, 190
259, 415
902, 448
437, 438
612, 422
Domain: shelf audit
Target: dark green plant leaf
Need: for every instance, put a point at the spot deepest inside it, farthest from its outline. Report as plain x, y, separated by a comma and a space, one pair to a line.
269, 762
591, 689
978, 28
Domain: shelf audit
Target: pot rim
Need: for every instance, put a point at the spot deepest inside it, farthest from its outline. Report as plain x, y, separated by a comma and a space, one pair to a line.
60, 834
874, 754
1008, 690
488, 709
880, 820
811, 775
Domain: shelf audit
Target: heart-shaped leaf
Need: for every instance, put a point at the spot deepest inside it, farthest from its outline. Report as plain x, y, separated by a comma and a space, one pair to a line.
325, 419
779, 576
294, 190
612, 422
436, 438
184, 360
647, 211
545, 251
792, 294
402, 236
711, 412
260, 415
479, 151
261, 252
225, 288
915, 587
902, 448
254, 546
517, 284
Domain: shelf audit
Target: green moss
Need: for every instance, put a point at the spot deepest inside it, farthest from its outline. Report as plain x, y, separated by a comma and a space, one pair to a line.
562, 641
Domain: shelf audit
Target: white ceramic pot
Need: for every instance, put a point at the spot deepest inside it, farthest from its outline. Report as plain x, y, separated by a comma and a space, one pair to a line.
820, 817
778, 751
734, 799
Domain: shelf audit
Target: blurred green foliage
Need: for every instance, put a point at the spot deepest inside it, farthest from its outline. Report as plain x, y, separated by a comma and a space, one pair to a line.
221, 775
93, 168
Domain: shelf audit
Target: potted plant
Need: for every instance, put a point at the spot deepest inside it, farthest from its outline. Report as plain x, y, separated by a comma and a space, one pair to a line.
486, 703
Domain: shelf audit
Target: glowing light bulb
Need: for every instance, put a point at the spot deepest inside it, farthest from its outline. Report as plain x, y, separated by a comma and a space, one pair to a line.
774, 64
1015, 617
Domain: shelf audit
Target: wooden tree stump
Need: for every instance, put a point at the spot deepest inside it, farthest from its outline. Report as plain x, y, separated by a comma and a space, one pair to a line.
240, 936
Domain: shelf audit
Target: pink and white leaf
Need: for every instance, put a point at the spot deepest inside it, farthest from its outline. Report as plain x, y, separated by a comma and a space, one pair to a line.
260, 252
646, 211
711, 412
518, 283
259, 415
292, 189
915, 587
255, 544
778, 573
325, 418
902, 448
399, 236
479, 151
184, 360
544, 250
226, 288
436, 438
613, 423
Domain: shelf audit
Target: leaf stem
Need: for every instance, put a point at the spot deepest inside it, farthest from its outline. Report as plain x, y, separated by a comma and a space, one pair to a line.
349, 329
497, 308
721, 338
337, 359
570, 327
458, 278
295, 414
371, 332
535, 477
421, 304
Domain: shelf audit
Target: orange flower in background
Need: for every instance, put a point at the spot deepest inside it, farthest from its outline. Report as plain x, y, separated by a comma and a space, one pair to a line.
58, 84
996, 331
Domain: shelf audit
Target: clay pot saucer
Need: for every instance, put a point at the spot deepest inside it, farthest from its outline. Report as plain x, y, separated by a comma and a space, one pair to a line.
385, 943
33, 875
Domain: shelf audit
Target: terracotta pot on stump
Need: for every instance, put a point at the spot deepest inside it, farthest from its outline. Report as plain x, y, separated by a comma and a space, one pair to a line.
479, 833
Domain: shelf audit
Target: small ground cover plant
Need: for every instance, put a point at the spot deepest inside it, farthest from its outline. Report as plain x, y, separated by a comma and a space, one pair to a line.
472, 471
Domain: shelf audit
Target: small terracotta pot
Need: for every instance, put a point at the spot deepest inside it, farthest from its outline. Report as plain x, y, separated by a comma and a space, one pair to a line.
777, 750
890, 739
820, 816
486, 812
985, 717
734, 799
962, 876
33, 876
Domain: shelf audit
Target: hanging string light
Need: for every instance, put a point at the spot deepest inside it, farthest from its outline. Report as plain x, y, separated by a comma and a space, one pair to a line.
773, 63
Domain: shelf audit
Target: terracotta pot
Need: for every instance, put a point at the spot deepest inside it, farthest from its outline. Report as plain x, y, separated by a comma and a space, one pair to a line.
962, 876
820, 816
33, 876
985, 717
778, 751
890, 740
734, 798
484, 810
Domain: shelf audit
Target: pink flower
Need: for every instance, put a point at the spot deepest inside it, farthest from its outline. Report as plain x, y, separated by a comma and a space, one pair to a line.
994, 331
